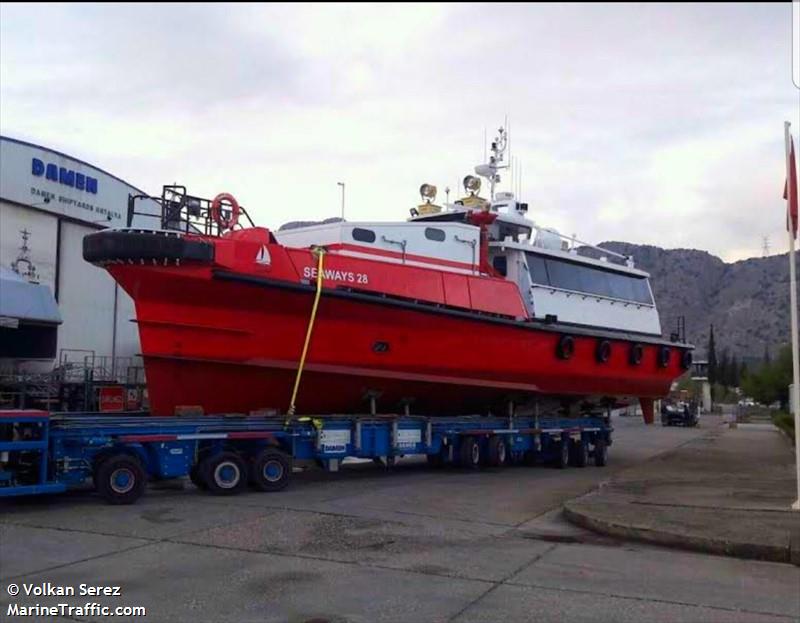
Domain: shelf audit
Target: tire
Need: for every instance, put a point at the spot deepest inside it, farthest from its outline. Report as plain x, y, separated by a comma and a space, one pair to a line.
224, 473
664, 356
562, 459
270, 470
120, 479
580, 453
497, 452
469, 453
197, 480
600, 453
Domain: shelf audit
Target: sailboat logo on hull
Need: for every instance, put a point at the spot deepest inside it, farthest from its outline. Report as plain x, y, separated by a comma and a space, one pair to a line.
263, 257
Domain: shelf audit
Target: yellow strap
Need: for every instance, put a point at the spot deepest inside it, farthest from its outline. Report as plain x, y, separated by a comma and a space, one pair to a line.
320, 253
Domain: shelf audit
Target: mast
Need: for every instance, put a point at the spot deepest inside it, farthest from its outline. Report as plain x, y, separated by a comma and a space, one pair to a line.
490, 170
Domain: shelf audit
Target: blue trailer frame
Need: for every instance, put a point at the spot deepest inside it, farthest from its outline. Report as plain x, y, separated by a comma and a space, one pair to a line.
50, 453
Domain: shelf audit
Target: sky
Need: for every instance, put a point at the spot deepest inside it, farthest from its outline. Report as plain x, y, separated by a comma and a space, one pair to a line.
655, 124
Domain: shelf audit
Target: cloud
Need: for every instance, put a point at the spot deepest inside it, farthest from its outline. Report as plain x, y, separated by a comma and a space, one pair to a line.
651, 123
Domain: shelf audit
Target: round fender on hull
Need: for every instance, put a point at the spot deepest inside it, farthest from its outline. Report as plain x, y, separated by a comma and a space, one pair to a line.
636, 354
565, 347
603, 351
686, 359
664, 355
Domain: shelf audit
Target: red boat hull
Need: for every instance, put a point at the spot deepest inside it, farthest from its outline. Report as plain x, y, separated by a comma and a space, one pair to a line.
230, 344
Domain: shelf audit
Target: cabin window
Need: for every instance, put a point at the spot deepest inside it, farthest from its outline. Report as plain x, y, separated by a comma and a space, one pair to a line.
500, 264
363, 235
589, 279
538, 270
431, 233
564, 275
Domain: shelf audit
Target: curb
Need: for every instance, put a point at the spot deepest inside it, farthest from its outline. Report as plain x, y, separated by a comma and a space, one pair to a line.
749, 551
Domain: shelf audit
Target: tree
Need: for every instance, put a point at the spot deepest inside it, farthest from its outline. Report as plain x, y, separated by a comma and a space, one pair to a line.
767, 359
723, 369
733, 372
771, 382
712, 358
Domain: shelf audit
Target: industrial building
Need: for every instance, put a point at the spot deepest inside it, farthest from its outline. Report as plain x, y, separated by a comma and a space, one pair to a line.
56, 310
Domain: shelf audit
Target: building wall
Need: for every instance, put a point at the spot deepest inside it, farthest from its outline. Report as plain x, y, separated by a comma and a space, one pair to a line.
57, 214
42, 229
86, 298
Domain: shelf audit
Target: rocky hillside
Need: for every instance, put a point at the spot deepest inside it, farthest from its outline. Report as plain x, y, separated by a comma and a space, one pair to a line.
747, 301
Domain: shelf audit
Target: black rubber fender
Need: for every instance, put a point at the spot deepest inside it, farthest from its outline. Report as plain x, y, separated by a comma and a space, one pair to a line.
636, 354
603, 351
565, 347
664, 355
137, 246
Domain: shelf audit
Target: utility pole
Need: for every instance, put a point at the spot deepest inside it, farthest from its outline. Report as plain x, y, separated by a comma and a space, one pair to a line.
342, 185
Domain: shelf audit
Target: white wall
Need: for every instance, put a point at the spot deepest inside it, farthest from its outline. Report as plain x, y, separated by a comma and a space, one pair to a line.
86, 300
42, 241
86, 297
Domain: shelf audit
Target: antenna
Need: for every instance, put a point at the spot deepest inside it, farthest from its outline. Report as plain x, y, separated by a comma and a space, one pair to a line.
764, 246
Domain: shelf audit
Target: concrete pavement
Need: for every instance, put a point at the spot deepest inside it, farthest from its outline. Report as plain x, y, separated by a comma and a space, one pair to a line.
408, 545
727, 492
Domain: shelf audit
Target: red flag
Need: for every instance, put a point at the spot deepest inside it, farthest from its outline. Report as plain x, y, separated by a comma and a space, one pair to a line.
790, 191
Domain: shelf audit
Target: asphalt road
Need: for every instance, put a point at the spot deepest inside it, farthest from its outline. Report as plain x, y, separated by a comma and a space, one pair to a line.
368, 545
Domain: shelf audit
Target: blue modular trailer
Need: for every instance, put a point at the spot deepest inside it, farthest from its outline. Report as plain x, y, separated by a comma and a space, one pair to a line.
47, 453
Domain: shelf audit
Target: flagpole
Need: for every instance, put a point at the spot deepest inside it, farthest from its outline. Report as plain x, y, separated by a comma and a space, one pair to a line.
795, 398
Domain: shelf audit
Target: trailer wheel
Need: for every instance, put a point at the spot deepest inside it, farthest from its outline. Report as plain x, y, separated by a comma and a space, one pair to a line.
270, 470
600, 453
562, 459
120, 479
497, 451
469, 453
224, 473
580, 453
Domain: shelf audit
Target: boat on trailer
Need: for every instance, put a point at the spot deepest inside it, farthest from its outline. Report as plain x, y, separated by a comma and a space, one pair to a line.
469, 307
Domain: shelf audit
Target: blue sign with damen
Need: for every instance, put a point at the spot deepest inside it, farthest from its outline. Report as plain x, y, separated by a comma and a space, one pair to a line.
64, 176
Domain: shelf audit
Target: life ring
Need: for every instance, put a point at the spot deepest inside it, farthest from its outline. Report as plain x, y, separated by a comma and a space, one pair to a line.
636, 354
686, 359
565, 347
664, 354
603, 351
217, 215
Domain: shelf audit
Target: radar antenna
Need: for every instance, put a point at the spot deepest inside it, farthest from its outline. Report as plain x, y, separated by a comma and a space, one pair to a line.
491, 169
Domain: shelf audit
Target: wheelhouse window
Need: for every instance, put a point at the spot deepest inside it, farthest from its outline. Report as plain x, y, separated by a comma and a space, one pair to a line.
432, 233
363, 235
566, 275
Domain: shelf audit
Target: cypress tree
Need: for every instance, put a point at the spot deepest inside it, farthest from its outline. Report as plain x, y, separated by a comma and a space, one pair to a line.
712, 358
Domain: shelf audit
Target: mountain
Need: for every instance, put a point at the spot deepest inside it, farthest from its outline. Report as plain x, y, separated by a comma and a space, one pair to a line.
746, 301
